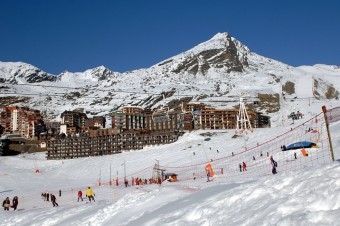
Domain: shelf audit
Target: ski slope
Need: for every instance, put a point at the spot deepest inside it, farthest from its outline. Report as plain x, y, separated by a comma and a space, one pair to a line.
300, 194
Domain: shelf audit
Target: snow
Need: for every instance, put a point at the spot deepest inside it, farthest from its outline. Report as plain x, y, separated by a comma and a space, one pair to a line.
308, 195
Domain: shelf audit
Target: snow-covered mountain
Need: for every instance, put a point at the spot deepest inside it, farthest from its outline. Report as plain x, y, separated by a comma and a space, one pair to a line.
215, 72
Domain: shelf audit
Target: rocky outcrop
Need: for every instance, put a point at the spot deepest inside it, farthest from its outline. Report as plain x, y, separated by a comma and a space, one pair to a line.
229, 54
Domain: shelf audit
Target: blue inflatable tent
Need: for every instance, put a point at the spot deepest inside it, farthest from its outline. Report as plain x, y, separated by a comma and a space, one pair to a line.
300, 145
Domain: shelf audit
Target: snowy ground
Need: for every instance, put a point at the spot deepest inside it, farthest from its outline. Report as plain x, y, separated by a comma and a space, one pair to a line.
305, 195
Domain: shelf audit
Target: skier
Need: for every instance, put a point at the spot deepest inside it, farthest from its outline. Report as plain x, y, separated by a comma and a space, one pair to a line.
6, 204
126, 182
15, 203
208, 176
90, 194
274, 165
59, 193
240, 167
80, 195
295, 155
253, 157
54, 200
244, 165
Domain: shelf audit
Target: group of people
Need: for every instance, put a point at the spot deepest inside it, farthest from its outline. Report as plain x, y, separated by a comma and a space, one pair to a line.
243, 166
88, 193
139, 181
6, 204
47, 196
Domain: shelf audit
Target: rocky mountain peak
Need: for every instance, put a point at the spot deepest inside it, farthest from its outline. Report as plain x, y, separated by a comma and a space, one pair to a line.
220, 52
100, 72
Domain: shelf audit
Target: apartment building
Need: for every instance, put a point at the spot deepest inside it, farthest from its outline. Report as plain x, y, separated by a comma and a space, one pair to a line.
27, 123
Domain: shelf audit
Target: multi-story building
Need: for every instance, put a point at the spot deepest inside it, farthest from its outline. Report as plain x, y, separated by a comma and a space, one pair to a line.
134, 127
191, 116
16, 114
53, 127
132, 118
206, 117
5, 119
75, 121
33, 124
104, 142
97, 122
27, 123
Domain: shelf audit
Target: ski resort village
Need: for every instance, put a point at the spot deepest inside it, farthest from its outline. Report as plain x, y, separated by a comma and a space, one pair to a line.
216, 135
133, 128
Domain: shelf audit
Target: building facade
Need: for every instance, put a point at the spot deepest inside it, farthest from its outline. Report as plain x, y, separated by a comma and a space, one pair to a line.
104, 142
75, 121
23, 121
97, 122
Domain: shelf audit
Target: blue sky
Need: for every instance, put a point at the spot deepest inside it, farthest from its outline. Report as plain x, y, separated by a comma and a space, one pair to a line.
76, 35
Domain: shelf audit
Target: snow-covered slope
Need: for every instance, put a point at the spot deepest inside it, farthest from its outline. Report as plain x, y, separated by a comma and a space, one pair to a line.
308, 195
18, 72
219, 69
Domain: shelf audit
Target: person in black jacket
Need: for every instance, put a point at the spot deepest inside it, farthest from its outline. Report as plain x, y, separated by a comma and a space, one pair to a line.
54, 200
6, 204
274, 165
15, 202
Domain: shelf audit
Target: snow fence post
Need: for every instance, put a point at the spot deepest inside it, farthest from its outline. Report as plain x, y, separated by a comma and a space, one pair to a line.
324, 110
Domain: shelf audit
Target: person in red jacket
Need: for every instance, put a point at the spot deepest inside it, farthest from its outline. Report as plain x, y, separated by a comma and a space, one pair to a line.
244, 166
80, 195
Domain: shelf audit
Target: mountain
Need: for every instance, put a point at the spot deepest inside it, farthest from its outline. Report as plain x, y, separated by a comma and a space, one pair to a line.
17, 72
215, 72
